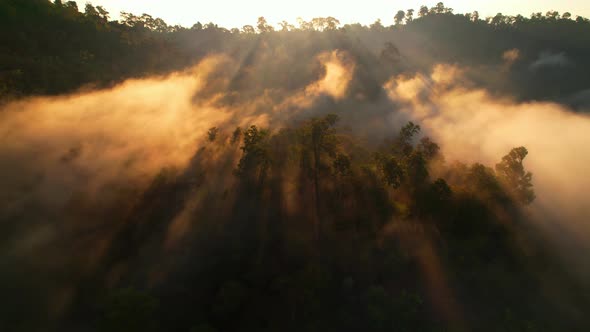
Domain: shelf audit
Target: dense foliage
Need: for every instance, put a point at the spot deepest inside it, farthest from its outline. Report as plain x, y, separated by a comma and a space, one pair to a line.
52, 48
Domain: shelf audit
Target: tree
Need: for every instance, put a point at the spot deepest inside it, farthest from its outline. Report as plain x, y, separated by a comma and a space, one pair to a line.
407, 164
438, 9
161, 26
399, 17
211, 26
103, 13
423, 12
319, 139
537, 16
519, 19
435, 198
72, 5
512, 173
212, 134
90, 11
96, 13
475, 16
303, 25
391, 169
409, 15
441, 190
377, 25
497, 20
552, 15
403, 144
237, 134
483, 181
416, 169
428, 148
248, 29
341, 165
263, 26
145, 21
255, 156
324, 23
129, 19
197, 26
286, 26
331, 23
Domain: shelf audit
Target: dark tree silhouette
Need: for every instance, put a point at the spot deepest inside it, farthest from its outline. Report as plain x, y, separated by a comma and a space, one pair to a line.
511, 171
399, 17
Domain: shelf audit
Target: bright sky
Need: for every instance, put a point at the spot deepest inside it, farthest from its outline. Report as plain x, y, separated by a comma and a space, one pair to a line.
236, 13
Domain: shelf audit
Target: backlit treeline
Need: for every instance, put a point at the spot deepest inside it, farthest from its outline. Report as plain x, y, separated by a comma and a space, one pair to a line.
308, 177
88, 48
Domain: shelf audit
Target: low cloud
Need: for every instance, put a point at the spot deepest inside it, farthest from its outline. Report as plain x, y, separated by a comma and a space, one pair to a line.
550, 59
473, 126
58, 150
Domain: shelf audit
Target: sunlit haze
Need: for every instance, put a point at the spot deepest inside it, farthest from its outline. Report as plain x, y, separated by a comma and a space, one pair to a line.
221, 166
238, 13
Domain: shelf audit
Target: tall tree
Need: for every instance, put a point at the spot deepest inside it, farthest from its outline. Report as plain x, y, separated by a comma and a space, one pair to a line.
248, 29
263, 26
255, 160
409, 15
399, 17
438, 9
423, 11
377, 25
286, 26
512, 173
319, 139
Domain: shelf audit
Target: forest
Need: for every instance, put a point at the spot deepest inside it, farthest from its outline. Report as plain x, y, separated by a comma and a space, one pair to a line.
423, 174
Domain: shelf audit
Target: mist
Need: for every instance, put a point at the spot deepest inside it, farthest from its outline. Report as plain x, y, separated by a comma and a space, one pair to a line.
427, 175
57, 148
472, 125
92, 144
